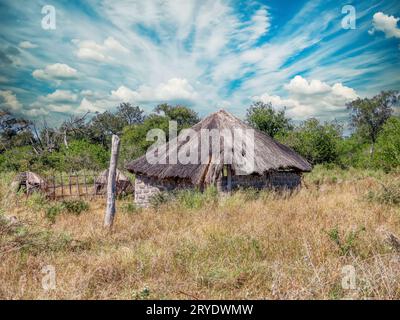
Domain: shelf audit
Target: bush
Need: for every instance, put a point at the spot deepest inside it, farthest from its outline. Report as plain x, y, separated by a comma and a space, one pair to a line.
53, 211
37, 200
389, 194
345, 243
195, 199
75, 207
17, 159
318, 143
82, 154
387, 154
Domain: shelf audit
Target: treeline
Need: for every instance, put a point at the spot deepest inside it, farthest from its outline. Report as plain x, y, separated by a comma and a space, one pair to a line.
83, 142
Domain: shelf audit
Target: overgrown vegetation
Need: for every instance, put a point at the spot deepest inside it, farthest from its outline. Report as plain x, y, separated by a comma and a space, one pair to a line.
74, 207
192, 244
83, 142
252, 244
387, 194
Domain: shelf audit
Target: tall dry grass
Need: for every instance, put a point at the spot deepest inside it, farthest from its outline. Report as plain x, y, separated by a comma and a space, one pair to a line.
248, 245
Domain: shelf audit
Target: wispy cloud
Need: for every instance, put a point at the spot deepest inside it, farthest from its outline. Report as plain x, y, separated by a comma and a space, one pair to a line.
207, 54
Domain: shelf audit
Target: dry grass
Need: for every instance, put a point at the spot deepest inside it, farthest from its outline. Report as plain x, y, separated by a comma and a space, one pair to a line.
244, 246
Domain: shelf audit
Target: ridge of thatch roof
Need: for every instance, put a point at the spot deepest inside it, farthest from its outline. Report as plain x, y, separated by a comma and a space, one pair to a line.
269, 155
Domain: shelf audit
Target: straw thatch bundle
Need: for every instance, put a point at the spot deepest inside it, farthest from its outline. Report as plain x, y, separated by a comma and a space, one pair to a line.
269, 155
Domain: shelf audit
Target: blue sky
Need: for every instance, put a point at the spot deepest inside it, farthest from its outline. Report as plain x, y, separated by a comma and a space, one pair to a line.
205, 54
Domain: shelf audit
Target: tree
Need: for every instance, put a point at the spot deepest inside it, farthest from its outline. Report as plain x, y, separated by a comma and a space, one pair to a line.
387, 154
133, 139
317, 142
368, 115
74, 128
263, 117
184, 116
104, 125
14, 132
129, 114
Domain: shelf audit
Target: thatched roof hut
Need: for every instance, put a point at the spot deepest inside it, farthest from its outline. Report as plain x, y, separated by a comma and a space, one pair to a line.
268, 156
29, 181
123, 183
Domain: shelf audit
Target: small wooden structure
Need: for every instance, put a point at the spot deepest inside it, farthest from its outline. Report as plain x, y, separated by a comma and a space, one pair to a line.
29, 182
123, 183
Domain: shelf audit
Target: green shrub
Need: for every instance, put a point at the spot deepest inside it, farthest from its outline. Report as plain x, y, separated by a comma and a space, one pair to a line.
317, 142
75, 207
37, 200
387, 154
388, 194
190, 199
53, 211
195, 199
345, 243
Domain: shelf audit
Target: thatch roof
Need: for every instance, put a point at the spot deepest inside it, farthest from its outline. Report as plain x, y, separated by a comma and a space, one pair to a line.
269, 155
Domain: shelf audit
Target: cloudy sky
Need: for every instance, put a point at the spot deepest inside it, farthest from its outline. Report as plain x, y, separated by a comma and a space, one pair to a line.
205, 54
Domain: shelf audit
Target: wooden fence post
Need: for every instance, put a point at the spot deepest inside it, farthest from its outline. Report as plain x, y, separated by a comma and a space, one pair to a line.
111, 183
62, 186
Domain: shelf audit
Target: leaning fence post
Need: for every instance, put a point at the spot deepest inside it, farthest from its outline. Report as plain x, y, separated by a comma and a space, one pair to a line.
111, 185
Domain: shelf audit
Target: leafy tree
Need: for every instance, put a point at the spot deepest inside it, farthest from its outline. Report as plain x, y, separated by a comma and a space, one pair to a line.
354, 151
317, 142
263, 117
368, 115
129, 114
81, 154
184, 116
14, 132
103, 126
133, 140
18, 159
387, 153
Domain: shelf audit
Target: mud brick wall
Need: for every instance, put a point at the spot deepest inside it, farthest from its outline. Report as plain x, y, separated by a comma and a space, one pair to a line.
280, 179
146, 187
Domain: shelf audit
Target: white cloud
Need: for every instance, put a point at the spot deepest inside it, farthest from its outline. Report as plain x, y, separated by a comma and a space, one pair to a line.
27, 45
57, 71
9, 101
91, 50
60, 101
36, 112
293, 107
299, 85
174, 89
311, 98
258, 25
62, 96
385, 23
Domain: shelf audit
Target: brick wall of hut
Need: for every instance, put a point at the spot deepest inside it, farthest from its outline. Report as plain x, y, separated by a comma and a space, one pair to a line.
279, 179
146, 187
